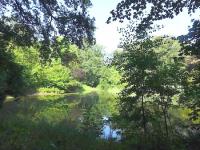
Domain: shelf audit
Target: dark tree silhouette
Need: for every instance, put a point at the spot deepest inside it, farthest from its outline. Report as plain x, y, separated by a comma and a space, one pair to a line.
26, 21
191, 41
158, 10
144, 13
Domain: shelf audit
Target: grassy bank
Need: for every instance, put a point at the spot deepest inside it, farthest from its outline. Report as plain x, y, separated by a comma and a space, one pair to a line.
83, 90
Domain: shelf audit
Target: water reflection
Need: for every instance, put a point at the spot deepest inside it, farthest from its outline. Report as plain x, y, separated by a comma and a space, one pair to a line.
108, 132
87, 113
96, 110
75, 119
88, 100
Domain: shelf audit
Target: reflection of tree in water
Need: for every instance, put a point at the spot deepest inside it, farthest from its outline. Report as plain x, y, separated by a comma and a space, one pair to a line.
108, 132
89, 100
84, 112
91, 114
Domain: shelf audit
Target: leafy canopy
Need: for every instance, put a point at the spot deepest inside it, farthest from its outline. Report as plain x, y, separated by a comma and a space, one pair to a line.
134, 9
146, 12
26, 21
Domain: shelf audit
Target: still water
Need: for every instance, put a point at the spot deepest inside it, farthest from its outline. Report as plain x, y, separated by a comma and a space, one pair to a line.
75, 122
89, 112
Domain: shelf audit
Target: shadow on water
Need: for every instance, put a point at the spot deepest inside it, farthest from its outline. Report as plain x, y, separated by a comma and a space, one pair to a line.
56, 122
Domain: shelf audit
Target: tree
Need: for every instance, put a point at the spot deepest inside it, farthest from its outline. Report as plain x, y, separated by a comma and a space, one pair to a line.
191, 88
11, 79
191, 41
110, 78
153, 71
91, 61
28, 21
149, 11
138, 67
145, 12
133, 9
169, 76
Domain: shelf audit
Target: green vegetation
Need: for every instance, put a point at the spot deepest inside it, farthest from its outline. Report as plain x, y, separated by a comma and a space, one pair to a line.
68, 95
59, 76
56, 122
160, 75
152, 83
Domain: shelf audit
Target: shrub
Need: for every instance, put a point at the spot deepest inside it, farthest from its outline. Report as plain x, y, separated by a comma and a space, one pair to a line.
50, 90
73, 86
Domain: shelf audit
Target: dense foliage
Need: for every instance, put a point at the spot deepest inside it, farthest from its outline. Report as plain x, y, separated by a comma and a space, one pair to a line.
158, 79
159, 74
45, 20
46, 47
153, 72
10, 73
62, 74
146, 12
38, 23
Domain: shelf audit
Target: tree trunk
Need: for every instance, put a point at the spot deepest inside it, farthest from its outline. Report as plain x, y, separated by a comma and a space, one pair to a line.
2, 98
166, 126
143, 115
144, 124
164, 109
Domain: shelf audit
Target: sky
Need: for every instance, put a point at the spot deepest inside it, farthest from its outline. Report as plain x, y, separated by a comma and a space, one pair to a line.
108, 36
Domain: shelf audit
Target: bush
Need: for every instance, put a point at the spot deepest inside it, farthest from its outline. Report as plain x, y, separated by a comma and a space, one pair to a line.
50, 90
110, 78
73, 86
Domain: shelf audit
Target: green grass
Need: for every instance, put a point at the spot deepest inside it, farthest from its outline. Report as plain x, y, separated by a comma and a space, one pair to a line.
88, 89
84, 90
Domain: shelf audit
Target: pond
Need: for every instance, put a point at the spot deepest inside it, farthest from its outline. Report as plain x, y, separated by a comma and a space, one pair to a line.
73, 121
88, 113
